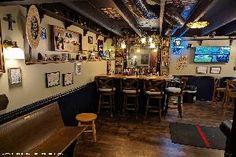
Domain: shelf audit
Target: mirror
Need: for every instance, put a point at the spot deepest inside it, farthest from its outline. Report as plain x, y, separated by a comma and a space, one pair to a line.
142, 57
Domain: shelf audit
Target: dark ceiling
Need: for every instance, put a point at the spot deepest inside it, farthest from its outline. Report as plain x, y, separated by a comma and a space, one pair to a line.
165, 17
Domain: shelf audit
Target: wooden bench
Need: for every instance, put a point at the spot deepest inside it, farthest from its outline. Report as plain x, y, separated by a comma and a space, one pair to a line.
39, 133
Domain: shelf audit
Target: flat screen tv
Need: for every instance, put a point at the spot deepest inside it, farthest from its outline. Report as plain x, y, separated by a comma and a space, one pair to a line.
212, 54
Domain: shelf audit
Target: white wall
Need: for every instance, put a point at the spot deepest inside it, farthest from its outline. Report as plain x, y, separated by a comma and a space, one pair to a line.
227, 69
33, 87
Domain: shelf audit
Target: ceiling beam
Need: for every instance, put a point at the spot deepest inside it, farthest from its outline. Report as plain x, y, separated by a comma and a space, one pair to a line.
227, 29
126, 14
223, 13
200, 11
162, 11
93, 15
29, 2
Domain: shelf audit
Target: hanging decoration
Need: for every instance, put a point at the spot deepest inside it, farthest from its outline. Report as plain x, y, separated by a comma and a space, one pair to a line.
181, 63
197, 24
33, 29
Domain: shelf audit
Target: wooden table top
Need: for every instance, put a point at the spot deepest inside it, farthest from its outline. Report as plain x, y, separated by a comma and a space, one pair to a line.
143, 77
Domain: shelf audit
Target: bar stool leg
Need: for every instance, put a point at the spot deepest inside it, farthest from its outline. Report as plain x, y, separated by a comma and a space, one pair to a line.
125, 103
111, 104
99, 103
160, 110
94, 131
137, 107
147, 106
180, 108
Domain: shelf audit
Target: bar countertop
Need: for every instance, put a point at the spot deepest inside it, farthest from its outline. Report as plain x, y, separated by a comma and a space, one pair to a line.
141, 77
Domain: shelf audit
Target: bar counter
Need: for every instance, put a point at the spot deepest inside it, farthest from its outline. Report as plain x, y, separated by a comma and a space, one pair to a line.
140, 77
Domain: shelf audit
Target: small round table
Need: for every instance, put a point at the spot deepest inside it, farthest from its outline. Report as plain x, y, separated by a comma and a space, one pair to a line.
87, 119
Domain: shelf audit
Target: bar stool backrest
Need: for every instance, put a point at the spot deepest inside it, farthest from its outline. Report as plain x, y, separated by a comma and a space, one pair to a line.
231, 85
130, 84
155, 85
178, 83
104, 82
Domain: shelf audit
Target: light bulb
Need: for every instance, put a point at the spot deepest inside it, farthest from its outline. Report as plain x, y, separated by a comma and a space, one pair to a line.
123, 45
143, 40
152, 45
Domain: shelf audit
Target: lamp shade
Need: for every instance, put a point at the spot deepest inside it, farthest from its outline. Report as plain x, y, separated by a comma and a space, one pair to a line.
14, 53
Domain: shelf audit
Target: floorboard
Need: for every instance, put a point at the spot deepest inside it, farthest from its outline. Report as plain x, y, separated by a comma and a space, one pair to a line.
126, 136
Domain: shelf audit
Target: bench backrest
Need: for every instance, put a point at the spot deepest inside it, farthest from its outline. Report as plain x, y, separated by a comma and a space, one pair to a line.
26, 132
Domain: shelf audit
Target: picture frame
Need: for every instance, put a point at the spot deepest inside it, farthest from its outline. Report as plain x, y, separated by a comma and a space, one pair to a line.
52, 79
77, 68
65, 40
145, 59
215, 70
201, 69
15, 76
90, 39
67, 79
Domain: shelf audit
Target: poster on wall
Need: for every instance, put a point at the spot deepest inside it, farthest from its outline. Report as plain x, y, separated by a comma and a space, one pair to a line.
52, 79
67, 79
15, 76
66, 41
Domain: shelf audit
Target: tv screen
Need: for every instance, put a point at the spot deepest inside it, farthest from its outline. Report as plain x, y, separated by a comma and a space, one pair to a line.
212, 54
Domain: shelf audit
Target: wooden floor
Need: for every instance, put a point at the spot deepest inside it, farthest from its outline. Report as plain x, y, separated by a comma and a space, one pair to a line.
125, 136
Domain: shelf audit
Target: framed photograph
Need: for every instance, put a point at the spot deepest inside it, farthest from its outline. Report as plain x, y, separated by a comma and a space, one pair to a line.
77, 68
65, 41
201, 70
15, 76
52, 79
90, 39
215, 70
144, 58
67, 79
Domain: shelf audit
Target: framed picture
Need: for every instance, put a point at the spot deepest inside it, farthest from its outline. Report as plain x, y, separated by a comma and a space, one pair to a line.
215, 70
67, 79
144, 58
15, 76
65, 41
201, 70
90, 39
77, 68
2, 69
52, 79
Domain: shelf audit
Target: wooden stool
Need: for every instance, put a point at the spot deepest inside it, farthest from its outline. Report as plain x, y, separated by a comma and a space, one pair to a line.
87, 119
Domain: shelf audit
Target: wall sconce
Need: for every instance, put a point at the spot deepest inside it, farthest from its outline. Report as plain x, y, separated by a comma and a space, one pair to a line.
12, 51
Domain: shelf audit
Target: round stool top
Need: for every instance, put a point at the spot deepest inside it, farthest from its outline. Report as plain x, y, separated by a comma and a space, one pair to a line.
86, 117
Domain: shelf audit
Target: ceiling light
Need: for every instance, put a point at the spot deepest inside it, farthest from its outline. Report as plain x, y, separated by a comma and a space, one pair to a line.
150, 40
143, 40
123, 45
197, 24
152, 45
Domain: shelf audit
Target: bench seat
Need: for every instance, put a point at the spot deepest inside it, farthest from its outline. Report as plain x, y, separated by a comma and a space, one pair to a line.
59, 141
40, 131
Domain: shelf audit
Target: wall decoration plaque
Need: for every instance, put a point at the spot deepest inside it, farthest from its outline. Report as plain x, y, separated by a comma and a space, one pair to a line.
65, 40
33, 29
52, 79
67, 79
15, 76
215, 70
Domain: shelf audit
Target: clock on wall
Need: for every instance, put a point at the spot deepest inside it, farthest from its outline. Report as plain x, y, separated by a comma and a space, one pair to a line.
33, 27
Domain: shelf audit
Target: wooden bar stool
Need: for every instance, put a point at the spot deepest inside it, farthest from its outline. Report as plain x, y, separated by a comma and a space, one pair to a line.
106, 89
230, 92
130, 89
88, 119
154, 89
175, 89
218, 90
